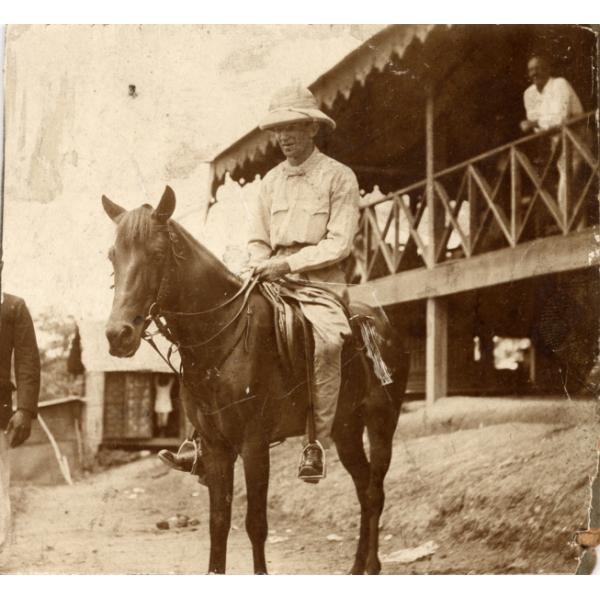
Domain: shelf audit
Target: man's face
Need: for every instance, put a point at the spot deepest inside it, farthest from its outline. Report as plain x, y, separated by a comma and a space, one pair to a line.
538, 71
296, 139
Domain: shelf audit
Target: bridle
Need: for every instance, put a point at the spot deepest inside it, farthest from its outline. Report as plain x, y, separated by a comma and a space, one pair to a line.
157, 315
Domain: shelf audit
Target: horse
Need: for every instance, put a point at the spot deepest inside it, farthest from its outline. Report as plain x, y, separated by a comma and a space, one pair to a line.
236, 389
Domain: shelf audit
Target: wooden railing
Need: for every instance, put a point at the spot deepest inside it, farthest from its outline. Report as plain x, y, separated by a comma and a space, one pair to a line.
540, 185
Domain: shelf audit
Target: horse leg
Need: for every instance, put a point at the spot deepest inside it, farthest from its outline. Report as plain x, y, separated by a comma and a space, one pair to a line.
381, 421
351, 452
256, 471
219, 476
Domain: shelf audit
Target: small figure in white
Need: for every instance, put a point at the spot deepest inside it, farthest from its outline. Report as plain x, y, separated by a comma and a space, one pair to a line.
163, 404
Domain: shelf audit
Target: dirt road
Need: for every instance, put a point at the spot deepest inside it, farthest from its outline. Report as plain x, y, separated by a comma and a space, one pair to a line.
497, 489
108, 525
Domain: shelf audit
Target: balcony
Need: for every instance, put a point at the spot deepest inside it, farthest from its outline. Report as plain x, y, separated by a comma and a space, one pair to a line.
540, 186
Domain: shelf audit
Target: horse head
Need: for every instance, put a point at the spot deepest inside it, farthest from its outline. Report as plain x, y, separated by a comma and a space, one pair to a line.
138, 256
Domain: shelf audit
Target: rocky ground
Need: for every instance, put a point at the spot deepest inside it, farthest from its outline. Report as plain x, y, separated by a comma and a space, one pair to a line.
481, 485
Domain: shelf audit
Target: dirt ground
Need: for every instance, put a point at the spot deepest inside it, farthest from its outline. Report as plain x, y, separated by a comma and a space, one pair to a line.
498, 485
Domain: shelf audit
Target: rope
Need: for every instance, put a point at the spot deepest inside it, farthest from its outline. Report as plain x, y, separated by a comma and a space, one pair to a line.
370, 335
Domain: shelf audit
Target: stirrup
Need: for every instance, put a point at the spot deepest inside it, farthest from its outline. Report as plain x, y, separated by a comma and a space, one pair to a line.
313, 478
195, 448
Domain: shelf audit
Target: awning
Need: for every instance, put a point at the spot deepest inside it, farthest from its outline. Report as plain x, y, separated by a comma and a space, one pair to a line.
374, 54
377, 95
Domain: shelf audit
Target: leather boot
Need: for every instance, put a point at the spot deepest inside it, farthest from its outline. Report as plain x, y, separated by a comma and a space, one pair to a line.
312, 463
188, 459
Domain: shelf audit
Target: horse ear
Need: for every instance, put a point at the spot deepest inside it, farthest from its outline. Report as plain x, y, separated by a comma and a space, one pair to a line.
166, 206
114, 211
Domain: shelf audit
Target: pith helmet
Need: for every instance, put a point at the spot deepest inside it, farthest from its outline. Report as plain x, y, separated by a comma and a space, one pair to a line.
292, 104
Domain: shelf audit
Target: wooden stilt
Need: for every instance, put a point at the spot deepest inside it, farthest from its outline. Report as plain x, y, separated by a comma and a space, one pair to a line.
436, 351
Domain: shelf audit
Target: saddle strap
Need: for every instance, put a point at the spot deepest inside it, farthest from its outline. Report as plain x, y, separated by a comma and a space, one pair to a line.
371, 347
310, 417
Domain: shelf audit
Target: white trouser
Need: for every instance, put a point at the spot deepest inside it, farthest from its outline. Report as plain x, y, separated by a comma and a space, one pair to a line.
4, 497
561, 164
576, 164
327, 366
329, 327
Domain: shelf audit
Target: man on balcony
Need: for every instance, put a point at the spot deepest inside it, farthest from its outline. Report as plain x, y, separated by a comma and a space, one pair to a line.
549, 102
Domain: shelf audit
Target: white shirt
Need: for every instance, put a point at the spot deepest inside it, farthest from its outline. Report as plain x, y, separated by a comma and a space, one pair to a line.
311, 209
556, 103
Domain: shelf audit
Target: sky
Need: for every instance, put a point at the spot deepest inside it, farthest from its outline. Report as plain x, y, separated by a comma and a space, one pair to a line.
75, 132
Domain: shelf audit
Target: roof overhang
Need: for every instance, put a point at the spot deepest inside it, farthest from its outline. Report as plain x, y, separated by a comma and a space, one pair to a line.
377, 95
372, 55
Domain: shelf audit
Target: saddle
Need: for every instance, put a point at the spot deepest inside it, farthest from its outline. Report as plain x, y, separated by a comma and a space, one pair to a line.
294, 412
292, 330
289, 326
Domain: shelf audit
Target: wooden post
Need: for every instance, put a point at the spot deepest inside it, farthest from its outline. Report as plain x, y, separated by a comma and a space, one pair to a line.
474, 219
515, 197
434, 216
396, 218
436, 350
565, 187
93, 413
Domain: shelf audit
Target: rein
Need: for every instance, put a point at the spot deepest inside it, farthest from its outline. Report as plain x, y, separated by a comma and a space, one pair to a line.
156, 314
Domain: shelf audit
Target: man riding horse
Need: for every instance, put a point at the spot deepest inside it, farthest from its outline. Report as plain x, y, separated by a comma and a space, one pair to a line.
302, 226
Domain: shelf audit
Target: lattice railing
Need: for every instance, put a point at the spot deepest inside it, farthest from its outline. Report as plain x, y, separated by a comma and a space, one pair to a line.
540, 185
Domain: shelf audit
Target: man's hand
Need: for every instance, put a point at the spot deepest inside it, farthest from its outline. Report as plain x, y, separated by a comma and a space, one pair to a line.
527, 126
19, 428
272, 269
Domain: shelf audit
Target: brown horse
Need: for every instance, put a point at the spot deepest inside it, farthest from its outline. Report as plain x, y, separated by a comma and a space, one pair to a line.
237, 391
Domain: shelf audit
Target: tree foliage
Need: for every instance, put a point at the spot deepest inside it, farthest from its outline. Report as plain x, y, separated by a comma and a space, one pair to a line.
55, 333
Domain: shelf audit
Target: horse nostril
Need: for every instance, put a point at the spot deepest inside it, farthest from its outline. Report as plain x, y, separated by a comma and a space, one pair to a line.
126, 333
112, 334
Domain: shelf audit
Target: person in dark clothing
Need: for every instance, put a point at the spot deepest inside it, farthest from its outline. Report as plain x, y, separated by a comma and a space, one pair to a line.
18, 341
17, 337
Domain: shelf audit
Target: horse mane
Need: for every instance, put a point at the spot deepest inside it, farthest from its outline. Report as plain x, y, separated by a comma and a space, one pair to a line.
191, 247
138, 226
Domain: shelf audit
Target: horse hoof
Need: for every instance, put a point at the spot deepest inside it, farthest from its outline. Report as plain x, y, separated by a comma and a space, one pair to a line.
374, 569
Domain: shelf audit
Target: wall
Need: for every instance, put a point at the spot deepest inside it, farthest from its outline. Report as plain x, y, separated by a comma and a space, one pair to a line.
74, 133
93, 412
